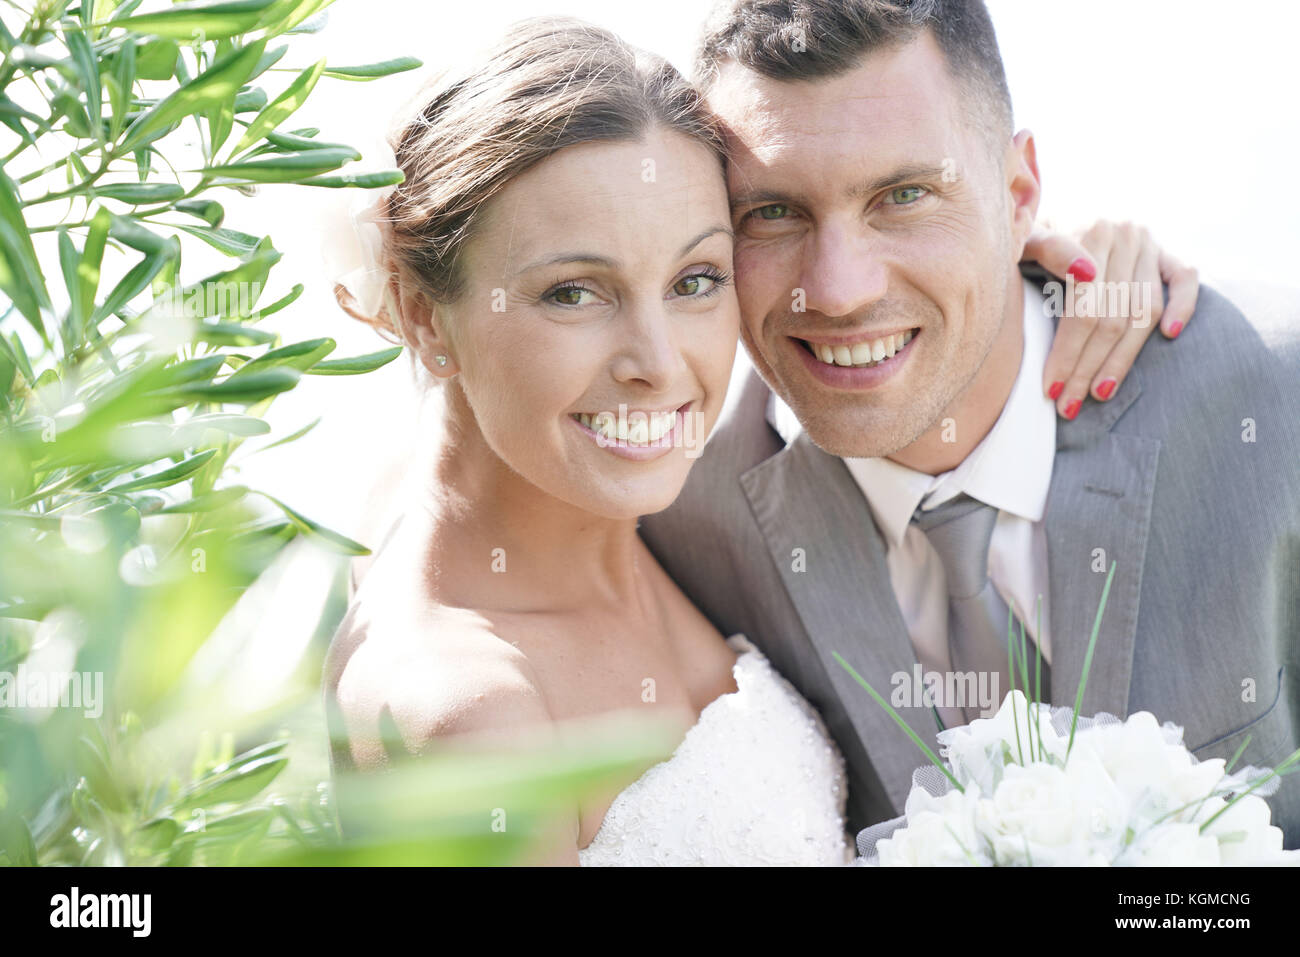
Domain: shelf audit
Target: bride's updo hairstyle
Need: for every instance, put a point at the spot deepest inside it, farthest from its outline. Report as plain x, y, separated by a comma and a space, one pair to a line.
549, 84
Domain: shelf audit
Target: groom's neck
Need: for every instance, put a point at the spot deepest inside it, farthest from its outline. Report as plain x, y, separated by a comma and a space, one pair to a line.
973, 413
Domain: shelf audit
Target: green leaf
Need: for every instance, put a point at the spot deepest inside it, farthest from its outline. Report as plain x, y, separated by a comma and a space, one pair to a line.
284, 167
370, 71
357, 364
88, 70
123, 82
208, 210
282, 107
333, 539
92, 256
250, 101
290, 14
211, 19
293, 142
294, 435
229, 241
240, 783
156, 59
253, 388
229, 422
298, 355
358, 180
215, 85
21, 278
136, 280
279, 304
167, 476
140, 193
208, 502
231, 334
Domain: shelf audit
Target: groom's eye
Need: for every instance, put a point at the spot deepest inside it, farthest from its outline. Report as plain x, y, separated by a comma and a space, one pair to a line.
906, 195
772, 211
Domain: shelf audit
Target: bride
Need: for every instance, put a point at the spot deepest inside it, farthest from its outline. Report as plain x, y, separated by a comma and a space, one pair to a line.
560, 259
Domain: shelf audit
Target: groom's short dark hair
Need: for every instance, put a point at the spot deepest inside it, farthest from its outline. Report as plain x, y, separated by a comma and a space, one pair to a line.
811, 39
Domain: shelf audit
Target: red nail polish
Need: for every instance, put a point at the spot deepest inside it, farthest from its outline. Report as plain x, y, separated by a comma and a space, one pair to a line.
1055, 391
1106, 388
1082, 270
1072, 409
1176, 328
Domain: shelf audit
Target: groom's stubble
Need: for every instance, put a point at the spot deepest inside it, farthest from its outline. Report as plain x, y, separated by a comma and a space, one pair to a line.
947, 267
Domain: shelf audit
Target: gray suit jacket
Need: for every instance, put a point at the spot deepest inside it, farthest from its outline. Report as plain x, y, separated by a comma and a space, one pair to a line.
1188, 478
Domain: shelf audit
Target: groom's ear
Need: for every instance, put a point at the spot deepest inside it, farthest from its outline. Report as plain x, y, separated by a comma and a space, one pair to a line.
1023, 187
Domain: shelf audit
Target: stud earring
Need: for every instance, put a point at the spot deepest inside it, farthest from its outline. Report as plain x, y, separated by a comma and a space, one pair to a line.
441, 360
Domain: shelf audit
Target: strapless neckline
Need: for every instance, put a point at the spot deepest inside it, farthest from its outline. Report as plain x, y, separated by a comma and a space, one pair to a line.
756, 780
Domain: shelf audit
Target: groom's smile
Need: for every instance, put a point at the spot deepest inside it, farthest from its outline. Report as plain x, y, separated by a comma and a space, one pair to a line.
879, 214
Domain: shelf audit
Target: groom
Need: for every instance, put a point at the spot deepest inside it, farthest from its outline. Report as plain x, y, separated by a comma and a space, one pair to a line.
895, 513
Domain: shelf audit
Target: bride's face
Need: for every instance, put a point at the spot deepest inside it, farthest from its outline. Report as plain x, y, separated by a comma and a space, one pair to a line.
597, 330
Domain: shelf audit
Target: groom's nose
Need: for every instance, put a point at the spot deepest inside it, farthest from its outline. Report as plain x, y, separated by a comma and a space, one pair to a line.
843, 271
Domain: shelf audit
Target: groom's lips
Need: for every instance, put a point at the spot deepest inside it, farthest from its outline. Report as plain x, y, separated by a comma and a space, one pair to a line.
848, 377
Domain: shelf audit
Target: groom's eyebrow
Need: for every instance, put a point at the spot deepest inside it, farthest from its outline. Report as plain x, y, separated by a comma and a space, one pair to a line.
900, 174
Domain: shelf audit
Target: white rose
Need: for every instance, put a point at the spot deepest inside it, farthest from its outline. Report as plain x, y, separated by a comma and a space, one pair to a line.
1172, 844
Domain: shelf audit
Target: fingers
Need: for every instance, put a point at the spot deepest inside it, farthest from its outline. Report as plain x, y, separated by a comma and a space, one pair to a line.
1110, 319
1184, 286
1059, 254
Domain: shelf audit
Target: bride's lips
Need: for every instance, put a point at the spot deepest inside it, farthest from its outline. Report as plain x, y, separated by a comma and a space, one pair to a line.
643, 452
848, 377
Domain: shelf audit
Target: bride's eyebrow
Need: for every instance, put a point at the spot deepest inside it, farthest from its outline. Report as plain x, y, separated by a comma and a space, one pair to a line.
605, 262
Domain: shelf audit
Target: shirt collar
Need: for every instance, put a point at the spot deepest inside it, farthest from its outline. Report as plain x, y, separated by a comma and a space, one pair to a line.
1011, 469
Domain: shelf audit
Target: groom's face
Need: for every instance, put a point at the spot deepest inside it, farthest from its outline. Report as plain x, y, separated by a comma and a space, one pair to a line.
877, 232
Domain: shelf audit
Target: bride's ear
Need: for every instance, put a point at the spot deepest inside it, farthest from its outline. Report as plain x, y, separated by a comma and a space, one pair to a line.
422, 326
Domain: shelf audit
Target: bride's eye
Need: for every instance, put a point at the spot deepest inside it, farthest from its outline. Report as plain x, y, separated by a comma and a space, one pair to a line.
700, 284
570, 294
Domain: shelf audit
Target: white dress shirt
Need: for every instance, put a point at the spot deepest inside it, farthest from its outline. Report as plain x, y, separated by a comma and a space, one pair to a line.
1011, 469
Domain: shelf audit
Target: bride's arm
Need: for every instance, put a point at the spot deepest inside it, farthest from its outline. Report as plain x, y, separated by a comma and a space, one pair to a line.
404, 694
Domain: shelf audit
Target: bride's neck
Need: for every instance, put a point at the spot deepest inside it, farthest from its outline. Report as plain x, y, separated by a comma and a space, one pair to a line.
497, 538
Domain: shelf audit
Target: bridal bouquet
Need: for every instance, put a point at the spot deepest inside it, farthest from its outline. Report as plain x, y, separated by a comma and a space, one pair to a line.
1123, 794
1037, 785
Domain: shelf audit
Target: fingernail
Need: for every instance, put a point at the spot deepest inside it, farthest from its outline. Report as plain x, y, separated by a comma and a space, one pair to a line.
1176, 328
1055, 390
1082, 270
1072, 409
1106, 387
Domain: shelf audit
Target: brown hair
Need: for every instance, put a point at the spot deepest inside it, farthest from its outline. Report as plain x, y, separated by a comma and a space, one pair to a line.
552, 82
810, 39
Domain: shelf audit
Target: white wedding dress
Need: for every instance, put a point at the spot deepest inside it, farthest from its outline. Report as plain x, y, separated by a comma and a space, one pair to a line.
756, 781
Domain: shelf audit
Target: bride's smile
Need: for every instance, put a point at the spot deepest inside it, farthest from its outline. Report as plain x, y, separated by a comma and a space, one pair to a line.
597, 316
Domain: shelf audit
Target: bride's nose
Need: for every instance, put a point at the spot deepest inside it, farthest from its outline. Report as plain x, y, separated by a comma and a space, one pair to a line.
647, 349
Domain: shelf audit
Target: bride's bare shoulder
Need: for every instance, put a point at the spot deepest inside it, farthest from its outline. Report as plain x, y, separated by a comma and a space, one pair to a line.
426, 671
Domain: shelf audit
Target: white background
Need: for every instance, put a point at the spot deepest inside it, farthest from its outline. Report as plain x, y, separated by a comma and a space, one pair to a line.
1179, 114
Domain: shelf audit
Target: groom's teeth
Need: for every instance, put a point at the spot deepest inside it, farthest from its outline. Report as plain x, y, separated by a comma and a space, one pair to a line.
866, 353
636, 428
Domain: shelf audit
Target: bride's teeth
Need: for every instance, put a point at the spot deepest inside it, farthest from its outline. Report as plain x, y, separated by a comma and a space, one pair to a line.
605, 424
907, 337
585, 419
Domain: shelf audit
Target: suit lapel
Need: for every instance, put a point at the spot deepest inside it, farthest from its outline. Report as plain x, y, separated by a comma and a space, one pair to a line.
1098, 512
805, 499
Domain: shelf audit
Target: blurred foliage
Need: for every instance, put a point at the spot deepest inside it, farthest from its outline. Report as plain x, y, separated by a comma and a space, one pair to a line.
126, 387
